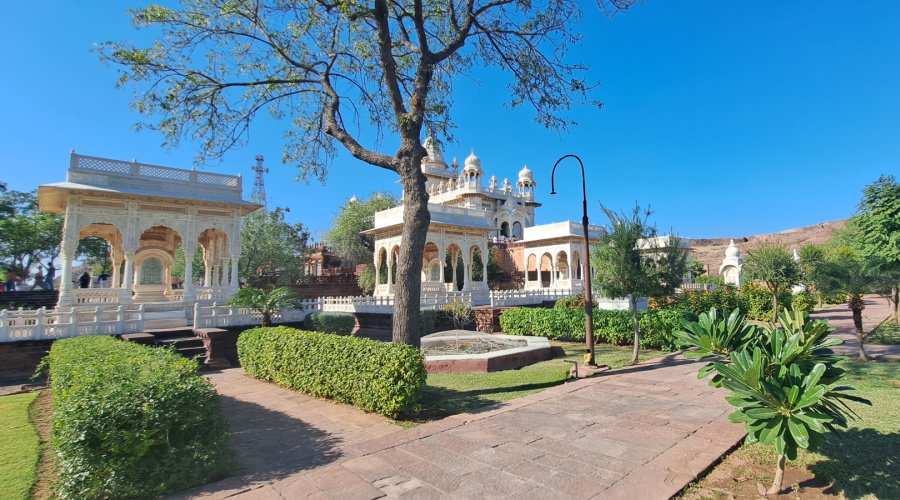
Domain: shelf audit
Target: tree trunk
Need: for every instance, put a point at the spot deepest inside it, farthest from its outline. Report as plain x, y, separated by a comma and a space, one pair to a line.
637, 331
266, 319
416, 218
775, 306
895, 297
857, 307
779, 477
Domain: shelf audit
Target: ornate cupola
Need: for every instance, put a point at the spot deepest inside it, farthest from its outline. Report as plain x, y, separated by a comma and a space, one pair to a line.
526, 182
472, 172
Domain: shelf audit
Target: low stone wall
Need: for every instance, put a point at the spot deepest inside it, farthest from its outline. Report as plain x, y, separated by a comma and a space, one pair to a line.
18, 360
30, 300
315, 290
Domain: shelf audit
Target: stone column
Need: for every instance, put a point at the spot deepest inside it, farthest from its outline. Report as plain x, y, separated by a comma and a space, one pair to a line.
234, 272
116, 274
188, 276
377, 267
485, 255
66, 293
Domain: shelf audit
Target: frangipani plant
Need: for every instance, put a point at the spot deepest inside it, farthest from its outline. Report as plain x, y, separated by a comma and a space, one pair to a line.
716, 335
780, 404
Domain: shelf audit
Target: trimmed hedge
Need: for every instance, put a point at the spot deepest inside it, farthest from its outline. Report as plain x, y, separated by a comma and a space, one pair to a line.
338, 323
427, 321
611, 327
384, 378
131, 421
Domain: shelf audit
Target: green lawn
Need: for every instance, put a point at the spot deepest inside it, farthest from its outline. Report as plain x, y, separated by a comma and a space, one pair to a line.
863, 461
20, 448
448, 394
886, 333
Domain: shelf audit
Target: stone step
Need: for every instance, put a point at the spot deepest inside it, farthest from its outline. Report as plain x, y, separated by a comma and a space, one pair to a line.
181, 342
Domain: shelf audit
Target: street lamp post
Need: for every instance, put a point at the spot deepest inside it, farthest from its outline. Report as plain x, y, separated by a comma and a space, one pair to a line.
588, 299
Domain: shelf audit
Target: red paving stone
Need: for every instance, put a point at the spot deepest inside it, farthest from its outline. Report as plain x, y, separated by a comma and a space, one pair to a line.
643, 432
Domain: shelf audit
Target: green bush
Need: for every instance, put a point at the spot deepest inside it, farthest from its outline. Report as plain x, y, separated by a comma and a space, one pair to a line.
384, 378
611, 327
131, 421
833, 298
338, 323
427, 321
756, 301
573, 302
706, 279
701, 301
804, 301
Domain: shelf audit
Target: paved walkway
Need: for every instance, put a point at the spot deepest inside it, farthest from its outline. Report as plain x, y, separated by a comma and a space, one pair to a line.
641, 432
839, 316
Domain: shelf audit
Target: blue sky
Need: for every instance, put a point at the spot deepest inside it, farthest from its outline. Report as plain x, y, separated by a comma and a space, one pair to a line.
729, 118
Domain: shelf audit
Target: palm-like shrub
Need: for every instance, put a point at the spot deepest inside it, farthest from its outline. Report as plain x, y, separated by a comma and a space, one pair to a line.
803, 342
716, 335
780, 404
266, 303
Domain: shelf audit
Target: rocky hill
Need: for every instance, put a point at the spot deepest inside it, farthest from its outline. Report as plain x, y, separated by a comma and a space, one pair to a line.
711, 251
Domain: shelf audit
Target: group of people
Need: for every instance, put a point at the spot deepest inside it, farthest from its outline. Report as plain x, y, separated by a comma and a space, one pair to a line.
45, 282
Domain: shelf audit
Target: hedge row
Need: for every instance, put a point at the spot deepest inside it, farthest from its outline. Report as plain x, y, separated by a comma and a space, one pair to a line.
338, 323
385, 378
754, 300
131, 421
611, 327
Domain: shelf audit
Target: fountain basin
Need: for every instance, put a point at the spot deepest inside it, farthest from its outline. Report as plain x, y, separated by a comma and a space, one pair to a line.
533, 350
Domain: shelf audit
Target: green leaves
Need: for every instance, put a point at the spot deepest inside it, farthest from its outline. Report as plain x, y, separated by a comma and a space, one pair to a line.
266, 303
131, 421
385, 378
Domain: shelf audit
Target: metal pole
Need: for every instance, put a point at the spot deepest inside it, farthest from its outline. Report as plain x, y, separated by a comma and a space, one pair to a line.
588, 297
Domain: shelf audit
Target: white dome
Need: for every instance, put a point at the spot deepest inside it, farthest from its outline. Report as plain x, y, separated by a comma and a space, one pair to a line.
473, 162
732, 251
354, 199
526, 175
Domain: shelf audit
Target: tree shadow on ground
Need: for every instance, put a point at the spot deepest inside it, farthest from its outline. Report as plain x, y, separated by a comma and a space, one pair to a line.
861, 462
441, 402
270, 445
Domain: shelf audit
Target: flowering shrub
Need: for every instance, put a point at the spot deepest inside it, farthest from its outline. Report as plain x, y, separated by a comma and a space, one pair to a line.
804, 301
573, 302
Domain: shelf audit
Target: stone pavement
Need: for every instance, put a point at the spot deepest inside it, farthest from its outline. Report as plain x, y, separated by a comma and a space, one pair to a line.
839, 316
641, 432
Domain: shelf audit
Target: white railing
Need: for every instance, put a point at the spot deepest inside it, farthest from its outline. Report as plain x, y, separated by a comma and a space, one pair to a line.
213, 294
223, 316
86, 296
155, 172
698, 286
43, 325
509, 298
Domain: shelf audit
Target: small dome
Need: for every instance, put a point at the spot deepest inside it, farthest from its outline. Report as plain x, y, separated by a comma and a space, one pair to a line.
354, 199
526, 175
732, 251
473, 162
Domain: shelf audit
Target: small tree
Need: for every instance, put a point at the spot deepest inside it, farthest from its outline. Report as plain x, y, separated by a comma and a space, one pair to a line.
366, 279
773, 264
460, 312
849, 274
630, 261
271, 245
345, 236
811, 257
877, 227
266, 303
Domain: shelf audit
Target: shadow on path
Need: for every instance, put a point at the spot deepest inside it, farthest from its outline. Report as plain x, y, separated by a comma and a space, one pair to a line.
271, 445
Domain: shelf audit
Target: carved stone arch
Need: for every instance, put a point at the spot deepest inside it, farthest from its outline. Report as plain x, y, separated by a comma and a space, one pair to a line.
546, 269
576, 264
531, 267
562, 265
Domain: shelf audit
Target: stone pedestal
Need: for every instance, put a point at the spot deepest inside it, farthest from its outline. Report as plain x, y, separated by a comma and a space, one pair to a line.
214, 341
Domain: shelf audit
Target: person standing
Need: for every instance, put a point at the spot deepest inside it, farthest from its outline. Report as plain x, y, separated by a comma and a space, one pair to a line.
84, 281
51, 273
11, 279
